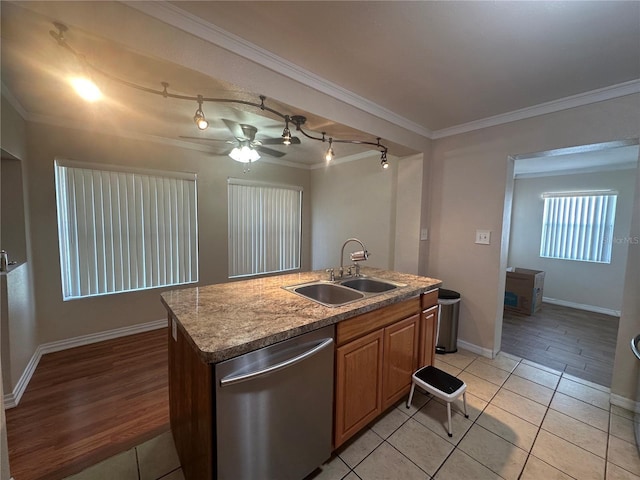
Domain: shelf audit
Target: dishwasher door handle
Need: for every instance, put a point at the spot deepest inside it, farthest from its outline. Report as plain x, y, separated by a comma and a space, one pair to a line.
634, 346
234, 379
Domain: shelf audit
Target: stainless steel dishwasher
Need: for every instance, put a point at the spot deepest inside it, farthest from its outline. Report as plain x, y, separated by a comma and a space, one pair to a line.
274, 409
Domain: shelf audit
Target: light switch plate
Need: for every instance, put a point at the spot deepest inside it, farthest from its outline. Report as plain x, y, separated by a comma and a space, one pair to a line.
424, 234
483, 237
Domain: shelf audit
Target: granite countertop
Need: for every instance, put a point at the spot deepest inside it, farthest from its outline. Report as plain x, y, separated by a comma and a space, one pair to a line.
228, 319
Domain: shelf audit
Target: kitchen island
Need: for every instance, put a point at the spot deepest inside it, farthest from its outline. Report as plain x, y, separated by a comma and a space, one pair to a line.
214, 323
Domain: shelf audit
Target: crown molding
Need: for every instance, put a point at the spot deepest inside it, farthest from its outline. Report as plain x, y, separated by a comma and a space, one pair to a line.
13, 101
594, 96
176, 17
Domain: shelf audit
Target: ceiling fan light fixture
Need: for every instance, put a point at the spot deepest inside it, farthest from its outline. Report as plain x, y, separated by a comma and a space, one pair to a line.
85, 87
244, 154
199, 118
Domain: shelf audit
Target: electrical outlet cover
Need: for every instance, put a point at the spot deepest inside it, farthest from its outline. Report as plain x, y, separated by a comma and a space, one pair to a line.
483, 237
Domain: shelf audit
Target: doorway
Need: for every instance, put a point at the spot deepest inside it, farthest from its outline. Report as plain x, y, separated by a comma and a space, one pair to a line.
575, 328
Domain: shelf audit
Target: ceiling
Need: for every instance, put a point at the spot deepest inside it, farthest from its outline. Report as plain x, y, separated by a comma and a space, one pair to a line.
431, 66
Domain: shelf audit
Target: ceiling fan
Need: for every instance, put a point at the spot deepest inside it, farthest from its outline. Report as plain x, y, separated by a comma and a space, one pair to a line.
247, 147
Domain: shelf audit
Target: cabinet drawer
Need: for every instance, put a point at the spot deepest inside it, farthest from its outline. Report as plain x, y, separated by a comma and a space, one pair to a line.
429, 299
353, 328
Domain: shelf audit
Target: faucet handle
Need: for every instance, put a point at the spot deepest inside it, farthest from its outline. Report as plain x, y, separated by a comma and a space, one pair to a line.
332, 276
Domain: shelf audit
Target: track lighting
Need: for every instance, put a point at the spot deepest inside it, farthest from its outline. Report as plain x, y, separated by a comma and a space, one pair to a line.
242, 153
329, 155
199, 118
286, 133
383, 159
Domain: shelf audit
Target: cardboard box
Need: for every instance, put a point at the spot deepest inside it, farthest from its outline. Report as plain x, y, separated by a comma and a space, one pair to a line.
523, 290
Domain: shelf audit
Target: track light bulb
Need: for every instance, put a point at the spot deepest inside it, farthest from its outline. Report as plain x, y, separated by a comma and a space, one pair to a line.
286, 136
199, 118
201, 121
383, 160
88, 90
329, 155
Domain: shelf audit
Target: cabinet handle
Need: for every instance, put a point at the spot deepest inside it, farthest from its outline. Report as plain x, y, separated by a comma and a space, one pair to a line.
243, 377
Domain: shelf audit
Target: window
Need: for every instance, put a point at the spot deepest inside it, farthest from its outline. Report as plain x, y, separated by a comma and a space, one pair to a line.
578, 226
264, 227
121, 229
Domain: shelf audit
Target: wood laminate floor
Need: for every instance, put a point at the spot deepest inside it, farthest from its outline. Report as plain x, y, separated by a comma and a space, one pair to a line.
86, 404
574, 341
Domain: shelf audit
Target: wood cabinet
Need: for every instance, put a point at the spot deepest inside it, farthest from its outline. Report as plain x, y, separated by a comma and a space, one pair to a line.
358, 384
191, 406
400, 359
428, 328
376, 354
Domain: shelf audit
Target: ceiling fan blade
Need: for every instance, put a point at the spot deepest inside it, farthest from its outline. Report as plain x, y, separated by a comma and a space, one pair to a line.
205, 139
279, 140
235, 129
269, 151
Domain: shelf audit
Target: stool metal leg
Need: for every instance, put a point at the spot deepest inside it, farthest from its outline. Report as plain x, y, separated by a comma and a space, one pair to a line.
449, 418
464, 402
413, 387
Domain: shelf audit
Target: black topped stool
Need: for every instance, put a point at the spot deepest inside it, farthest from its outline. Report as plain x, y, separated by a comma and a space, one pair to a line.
442, 385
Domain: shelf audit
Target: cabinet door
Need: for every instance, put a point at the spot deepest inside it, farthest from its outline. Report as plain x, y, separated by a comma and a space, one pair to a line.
358, 385
428, 326
400, 359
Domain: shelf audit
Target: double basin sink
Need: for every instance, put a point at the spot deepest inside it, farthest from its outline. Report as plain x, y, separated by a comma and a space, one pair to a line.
342, 292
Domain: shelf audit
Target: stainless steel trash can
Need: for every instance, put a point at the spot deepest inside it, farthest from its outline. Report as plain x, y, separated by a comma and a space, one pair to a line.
449, 301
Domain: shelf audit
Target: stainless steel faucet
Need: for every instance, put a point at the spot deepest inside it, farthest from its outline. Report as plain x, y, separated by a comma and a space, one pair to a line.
355, 256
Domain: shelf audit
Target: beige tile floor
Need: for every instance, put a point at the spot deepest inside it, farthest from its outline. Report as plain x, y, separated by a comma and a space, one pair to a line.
526, 421
153, 460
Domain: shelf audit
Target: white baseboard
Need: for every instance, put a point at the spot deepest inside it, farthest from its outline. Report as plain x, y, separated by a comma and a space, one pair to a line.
625, 403
12, 399
582, 306
485, 352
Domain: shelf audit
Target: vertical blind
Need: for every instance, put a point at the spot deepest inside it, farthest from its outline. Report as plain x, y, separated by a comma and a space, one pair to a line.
264, 228
122, 230
578, 226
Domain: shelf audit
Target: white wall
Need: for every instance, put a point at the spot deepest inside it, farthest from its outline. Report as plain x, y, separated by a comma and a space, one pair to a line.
382, 208
586, 284
13, 141
470, 178
353, 199
408, 215
626, 368
13, 235
17, 323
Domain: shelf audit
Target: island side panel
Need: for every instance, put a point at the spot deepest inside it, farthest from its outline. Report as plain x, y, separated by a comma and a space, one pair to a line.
190, 406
